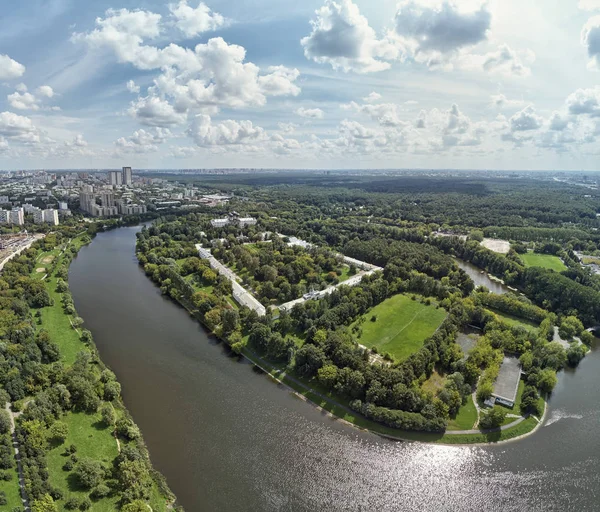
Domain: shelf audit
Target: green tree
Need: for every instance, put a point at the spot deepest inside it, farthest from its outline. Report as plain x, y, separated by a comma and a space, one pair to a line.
44, 503
89, 473
231, 320
58, 432
547, 380
135, 506
109, 417
493, 418
328, 375
5, 423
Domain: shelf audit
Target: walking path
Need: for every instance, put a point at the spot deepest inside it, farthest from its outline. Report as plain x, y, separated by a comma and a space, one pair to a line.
13, 417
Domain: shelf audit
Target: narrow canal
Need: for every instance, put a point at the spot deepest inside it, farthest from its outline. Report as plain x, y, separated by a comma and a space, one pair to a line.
228, 439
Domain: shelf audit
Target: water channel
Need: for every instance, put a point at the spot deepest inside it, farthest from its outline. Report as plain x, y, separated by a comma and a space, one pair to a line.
228, 439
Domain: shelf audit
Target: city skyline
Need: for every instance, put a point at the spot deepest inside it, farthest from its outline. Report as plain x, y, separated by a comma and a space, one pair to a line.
323, 84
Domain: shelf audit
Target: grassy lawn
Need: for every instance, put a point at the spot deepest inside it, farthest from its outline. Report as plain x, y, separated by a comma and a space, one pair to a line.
466, 417
11, 490
532, 259
401, 327
514, 320
434, 383
94, 441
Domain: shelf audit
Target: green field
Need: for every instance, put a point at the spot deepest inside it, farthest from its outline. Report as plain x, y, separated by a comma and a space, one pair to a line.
466, 417
514, 320
401, 327
532, 259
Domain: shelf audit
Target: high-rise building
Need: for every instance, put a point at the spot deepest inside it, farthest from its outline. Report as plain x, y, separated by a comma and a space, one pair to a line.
107, 199
86, 202
115, 178
50, 216
17, 216
127, 176
38, 216
4, 216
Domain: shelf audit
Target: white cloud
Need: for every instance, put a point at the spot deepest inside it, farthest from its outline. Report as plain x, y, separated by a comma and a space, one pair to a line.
25, 101
143, 141
210, 76
194, 21
132, 87
21, 128
584, 102
502, 102
341, 36
558, 122
124, 31
589, 5
372, 97
21, 88
153, 111
10, 69
525, 120
77, 142
442, 27
506, 60
590, 38
386, 114
226, 133
287, 127
46, 91
310, 113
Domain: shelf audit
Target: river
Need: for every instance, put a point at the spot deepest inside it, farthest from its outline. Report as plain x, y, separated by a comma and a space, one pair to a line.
481, 278
228, 439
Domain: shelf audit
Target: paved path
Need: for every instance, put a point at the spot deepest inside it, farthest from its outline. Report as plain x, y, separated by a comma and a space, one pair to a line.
488, 431
13, 417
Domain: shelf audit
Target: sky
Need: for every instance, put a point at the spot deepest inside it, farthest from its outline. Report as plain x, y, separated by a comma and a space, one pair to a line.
320, 84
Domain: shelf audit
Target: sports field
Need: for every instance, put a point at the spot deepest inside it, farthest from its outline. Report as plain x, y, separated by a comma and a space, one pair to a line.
401, 326
532, 259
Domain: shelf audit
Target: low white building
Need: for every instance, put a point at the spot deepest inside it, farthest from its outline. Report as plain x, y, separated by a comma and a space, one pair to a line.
219, 223
246, 221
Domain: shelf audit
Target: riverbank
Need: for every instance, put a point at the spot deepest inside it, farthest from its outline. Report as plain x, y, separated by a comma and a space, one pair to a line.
88, 431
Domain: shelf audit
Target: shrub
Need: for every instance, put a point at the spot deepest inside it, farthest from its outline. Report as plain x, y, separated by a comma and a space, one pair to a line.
68, 466
100, 491
85, 504
72, 504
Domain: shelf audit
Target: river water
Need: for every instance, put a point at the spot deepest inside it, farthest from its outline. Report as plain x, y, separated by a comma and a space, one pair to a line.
481, 278
228, 439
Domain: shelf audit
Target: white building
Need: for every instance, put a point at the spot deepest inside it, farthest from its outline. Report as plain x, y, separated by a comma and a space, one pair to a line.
38, 216
63, 205
17, 217
247, 221
50, 216
115, 178
219, 223
127, 176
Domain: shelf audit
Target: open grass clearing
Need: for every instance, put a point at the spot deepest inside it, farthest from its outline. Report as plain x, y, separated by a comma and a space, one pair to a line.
532, 259
11, 491
514, 320
465, 418
401, 326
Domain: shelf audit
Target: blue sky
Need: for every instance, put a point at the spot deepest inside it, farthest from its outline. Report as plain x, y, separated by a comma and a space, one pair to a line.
503, 84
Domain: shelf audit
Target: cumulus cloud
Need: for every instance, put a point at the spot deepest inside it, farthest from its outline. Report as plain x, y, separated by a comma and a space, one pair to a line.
225, 133
77, 142
342, 37
210, 76
584, 102
558, 122
590, 38
46, 91
444, 27
143, 141
310, 113
194, 21
386, 114
525, 120
372, 97
132, 87
124, 31
21, 128
10, 69
24, 101
153, 111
